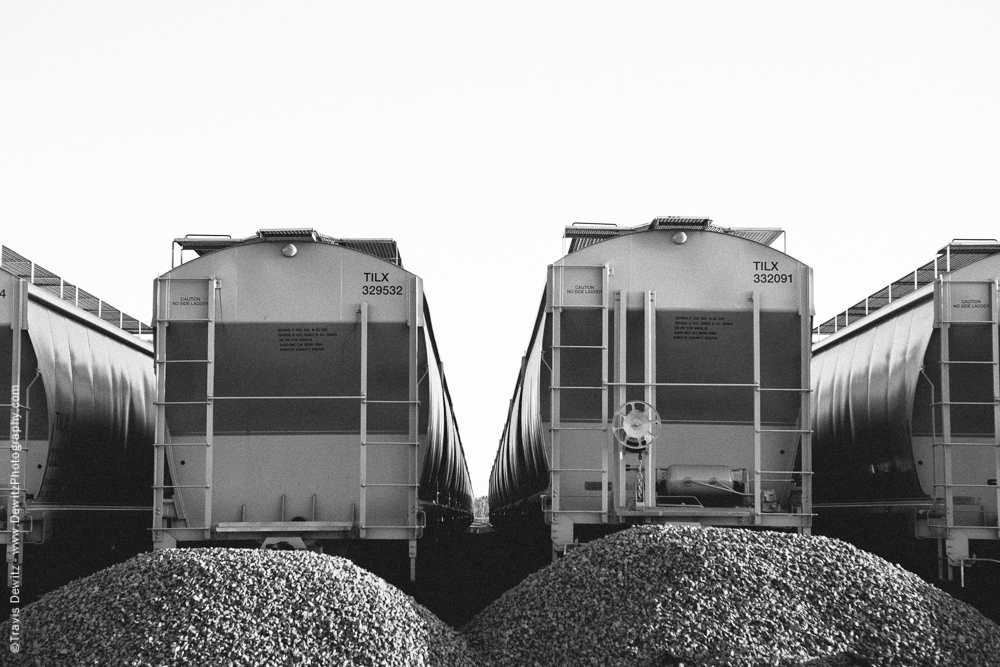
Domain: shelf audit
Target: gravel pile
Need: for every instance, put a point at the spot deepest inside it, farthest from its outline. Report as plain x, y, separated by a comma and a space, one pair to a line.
233, 607
670, 596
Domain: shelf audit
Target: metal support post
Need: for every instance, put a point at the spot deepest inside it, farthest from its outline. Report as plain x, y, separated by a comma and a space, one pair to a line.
363, 500
757, 491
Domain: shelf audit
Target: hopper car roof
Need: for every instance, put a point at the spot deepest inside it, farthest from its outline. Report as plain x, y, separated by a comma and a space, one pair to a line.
385, 249
957, 255
585, 234
56, 294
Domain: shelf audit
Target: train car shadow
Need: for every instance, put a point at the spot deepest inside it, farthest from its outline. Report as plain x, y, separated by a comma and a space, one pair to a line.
459, 576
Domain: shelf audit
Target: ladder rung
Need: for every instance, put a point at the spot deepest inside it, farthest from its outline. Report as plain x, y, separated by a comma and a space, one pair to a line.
806, 391
408, 444
577, 306
409, 486
991, 363
181, 402
283, 398
993, 402
179, 486
681, 384
185, 319
785, 472
965, 444
783, 430
592, 388
579, 347
371, 400
578, 428
971, 322
600, 470
183, 361
181, 444
400, 527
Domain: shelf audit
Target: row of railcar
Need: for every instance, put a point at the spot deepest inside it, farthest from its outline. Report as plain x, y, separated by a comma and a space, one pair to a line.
668, 378
298, 398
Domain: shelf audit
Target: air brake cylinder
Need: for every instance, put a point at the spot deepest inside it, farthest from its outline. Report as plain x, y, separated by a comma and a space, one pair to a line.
700, 481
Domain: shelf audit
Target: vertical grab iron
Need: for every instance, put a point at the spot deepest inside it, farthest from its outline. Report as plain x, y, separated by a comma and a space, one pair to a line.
757, 426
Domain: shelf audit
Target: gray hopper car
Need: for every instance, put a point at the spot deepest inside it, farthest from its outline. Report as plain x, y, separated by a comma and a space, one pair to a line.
300, 396
666, 381
906, 387
81, 420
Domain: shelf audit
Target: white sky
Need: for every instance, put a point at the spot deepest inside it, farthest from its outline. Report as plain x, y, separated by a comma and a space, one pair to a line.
474, 132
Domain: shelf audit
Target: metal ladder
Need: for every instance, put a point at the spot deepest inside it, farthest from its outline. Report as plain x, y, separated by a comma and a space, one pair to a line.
560, 519
805, 412
161, 444
948, 314
413, 529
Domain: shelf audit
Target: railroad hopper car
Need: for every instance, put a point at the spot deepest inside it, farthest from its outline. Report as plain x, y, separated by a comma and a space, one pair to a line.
80, 432
666, 381
300, 396
906, 390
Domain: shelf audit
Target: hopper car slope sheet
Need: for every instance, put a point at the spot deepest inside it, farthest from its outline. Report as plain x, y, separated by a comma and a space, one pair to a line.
80, 403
